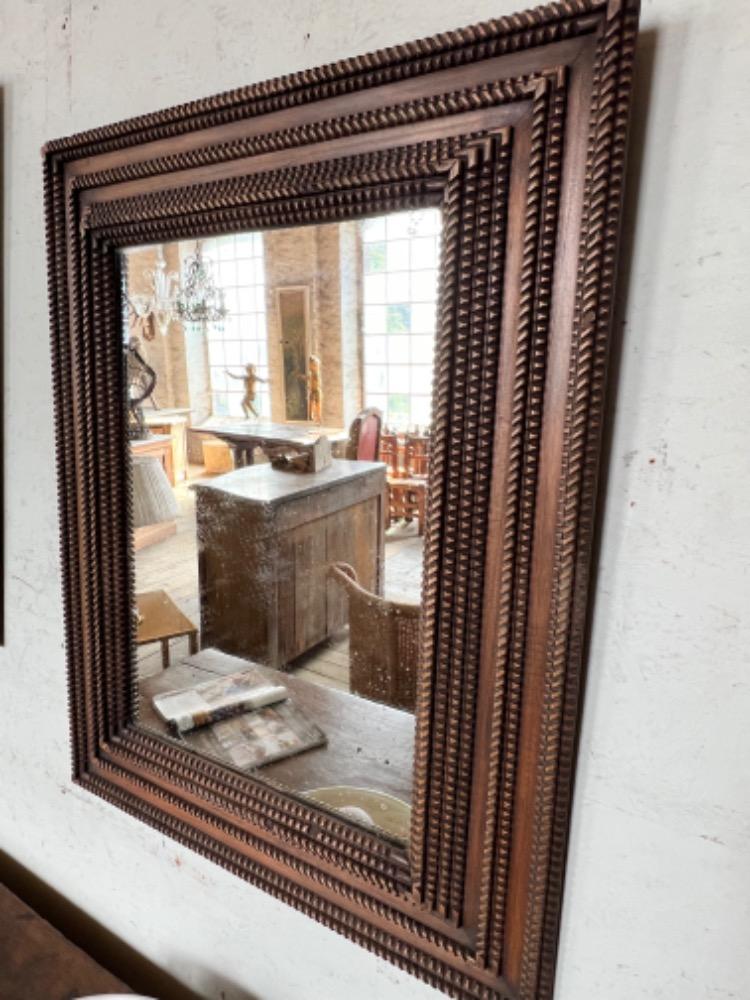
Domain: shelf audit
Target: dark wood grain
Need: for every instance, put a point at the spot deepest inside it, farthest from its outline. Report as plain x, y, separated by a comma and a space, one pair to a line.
38, 963
516, 129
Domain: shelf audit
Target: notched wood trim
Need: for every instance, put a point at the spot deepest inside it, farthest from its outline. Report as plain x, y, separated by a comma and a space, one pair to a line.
472, 909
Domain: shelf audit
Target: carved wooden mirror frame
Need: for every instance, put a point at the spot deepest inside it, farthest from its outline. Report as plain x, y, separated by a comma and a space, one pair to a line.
517, 128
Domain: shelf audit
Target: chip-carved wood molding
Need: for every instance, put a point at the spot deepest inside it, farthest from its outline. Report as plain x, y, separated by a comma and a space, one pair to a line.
500, 36
454, 162
408, 113
337, 179
577, 490
540, 226
473, 906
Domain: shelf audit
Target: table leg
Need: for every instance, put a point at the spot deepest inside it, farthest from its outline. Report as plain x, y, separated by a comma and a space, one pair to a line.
243, 455
193, 640
165, 653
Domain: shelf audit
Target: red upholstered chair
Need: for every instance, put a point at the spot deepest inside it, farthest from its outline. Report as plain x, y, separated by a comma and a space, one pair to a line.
364, 436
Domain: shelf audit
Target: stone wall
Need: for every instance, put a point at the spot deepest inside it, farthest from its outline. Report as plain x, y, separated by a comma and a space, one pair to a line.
323, 259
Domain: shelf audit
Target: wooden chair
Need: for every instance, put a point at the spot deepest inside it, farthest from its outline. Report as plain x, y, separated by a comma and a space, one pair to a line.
364, 436
407, 461
389, 452
407, 500
383, 643
416, 455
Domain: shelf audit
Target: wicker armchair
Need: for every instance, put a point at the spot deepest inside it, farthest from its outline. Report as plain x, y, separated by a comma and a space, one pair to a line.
383, 643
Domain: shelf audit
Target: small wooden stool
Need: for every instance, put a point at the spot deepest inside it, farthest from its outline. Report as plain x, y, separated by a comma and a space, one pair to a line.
160, 621
217, 456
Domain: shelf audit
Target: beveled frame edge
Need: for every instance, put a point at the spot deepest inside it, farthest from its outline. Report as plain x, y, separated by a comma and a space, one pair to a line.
577, 486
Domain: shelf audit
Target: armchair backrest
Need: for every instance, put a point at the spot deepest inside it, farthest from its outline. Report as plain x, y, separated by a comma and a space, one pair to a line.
383, 643
364, 436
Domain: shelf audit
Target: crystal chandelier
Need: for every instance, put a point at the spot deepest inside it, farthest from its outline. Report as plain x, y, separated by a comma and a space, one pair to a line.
157, 304
165, 285
198, 299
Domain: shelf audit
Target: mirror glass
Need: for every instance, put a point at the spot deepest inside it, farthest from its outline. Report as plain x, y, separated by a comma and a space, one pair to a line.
279, 393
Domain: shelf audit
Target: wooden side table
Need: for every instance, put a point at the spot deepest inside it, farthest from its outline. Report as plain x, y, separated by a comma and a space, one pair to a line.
160, 446
369, 745
172, 424
161, 620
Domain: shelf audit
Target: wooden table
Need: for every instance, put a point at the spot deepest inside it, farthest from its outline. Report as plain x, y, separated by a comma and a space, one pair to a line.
161, 621
173, 424
38, 963
265, 541
160, 446
369, 745
245, 436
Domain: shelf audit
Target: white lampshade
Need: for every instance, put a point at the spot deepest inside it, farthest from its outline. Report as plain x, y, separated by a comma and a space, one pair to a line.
153, 498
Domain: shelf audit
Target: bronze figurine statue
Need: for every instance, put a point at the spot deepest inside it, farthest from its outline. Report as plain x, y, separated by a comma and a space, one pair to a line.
314, 389
251, 379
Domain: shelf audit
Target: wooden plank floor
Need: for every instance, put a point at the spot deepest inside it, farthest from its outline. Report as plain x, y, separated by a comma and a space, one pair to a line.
172, 565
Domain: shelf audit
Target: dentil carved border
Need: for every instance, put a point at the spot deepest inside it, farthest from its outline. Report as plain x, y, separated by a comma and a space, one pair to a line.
516, 128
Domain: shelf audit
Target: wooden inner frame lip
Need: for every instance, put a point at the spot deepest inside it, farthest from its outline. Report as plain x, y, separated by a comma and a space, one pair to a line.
498, 117
252, 781
248, 795
308, 808
258, 803
418, 927
513, 258
122, 770
427, 192
511, 66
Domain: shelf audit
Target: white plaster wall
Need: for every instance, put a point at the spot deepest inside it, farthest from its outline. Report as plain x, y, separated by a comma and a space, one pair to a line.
659, 872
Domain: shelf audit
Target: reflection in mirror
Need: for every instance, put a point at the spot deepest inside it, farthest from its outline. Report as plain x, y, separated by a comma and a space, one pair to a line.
279, 388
